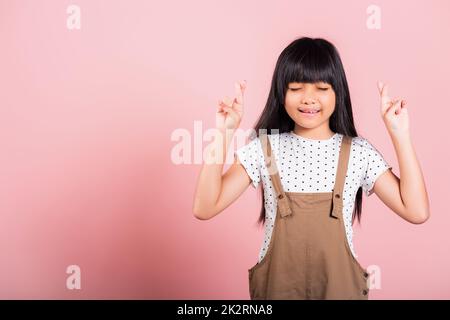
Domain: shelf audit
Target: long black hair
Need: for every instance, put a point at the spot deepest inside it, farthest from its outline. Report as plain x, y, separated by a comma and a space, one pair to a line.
308, 60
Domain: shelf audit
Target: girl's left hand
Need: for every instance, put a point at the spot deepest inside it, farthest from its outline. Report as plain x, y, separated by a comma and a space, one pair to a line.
394, 112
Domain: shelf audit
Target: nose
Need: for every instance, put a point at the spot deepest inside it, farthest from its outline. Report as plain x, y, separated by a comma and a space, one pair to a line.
308, 96
308, 100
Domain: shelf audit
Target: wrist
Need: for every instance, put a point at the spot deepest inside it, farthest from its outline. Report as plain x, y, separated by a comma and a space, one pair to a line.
400, 136
226, 132
401, 142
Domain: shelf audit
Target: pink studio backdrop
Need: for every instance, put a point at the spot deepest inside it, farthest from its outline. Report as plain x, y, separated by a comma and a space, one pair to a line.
86, 117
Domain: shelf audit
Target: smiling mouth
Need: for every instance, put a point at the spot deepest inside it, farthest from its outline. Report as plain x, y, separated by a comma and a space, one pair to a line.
309, 112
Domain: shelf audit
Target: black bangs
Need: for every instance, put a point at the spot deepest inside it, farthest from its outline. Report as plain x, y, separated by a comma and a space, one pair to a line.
308, 62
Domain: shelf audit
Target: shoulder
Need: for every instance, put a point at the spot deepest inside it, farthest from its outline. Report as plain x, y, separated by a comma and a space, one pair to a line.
362, 144
255, 141
364, 150
253, 147
369, 153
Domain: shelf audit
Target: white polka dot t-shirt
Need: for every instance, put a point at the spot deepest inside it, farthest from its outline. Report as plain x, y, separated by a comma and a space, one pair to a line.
308, 165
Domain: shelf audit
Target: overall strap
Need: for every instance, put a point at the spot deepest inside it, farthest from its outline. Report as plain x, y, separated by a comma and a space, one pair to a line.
282, 201
338, 189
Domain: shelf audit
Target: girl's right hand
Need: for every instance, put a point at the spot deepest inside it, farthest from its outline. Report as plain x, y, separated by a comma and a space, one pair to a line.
229, 113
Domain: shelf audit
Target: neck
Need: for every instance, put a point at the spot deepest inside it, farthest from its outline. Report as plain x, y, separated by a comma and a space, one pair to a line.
319, 133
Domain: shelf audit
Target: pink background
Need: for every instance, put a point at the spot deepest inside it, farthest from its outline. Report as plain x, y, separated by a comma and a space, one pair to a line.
86, 118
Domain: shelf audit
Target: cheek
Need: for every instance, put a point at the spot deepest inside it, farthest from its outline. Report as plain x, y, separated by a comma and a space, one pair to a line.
290, 99
329, 102
291, 103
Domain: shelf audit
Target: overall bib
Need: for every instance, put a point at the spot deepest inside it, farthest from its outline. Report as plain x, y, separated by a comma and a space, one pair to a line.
308, 256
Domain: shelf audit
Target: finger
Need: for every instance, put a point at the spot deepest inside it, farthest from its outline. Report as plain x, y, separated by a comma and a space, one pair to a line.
395, 100
389, 111
243, 85
384, 94
394, 109
397, 104
403, 107
223, 105
219, 109
386, 105
226, 108
389, 105
380, 86
239, 91
385, 100
228, 101
232, 113
237, 106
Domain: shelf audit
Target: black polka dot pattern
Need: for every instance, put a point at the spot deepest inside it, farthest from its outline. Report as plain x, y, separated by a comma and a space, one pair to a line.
307, 165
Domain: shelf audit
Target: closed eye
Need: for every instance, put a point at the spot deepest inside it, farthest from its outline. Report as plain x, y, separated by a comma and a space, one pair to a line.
322, 89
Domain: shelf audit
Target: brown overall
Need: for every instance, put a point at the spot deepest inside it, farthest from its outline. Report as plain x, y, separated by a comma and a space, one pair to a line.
308, 256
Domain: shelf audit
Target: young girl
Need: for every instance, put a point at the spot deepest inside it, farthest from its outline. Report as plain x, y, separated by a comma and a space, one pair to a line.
313, 167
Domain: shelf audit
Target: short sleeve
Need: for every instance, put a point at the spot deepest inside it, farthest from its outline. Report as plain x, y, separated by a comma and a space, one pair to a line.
249, 156
375, 166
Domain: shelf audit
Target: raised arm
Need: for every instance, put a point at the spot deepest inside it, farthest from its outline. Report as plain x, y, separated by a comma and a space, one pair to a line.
216, 191
407, 196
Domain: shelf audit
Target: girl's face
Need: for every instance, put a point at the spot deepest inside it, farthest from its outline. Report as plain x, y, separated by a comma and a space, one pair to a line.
303, 98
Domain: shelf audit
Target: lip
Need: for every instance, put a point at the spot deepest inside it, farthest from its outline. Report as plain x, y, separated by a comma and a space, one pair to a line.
307, 114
